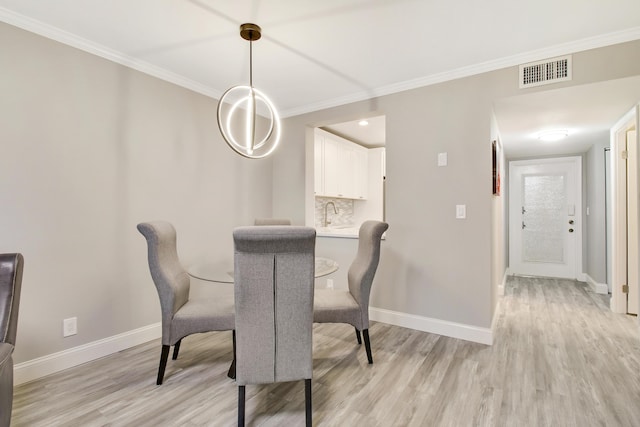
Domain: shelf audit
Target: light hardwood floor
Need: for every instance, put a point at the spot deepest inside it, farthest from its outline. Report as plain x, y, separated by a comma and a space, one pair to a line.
560, 358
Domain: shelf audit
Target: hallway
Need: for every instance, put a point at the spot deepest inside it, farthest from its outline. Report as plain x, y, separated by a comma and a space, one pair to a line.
577, 362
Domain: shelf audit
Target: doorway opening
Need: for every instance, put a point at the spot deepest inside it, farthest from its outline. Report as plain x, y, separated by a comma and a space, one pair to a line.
346, 170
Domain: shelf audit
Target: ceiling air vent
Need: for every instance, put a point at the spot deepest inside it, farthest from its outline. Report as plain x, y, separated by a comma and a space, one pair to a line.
545, 72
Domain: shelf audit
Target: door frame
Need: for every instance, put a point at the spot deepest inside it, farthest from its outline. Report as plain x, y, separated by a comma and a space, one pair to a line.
579, 275
618, 135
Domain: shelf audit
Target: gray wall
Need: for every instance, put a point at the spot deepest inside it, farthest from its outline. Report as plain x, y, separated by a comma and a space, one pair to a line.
90, 149
432, 264
596, 226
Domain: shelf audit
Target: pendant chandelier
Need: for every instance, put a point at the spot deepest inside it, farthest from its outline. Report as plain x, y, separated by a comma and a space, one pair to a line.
248, 121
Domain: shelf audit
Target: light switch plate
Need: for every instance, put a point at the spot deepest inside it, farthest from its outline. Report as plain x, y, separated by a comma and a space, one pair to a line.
461, 211
442, 159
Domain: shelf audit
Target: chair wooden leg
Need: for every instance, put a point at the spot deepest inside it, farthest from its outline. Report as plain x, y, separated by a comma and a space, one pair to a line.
232, 369
308, 408
176, 349
164, 355
358, 337
240, 406
367, 345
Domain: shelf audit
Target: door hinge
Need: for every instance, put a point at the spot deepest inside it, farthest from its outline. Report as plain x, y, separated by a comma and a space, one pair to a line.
624, 154
625, 289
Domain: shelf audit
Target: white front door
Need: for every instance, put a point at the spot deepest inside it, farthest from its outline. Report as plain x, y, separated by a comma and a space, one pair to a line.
545, 217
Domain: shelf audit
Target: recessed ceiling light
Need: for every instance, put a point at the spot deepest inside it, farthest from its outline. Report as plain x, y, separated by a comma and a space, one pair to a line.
553, 135
363, 123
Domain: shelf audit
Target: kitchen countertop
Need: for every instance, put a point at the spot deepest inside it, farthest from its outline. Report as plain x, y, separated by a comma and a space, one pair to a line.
339, 232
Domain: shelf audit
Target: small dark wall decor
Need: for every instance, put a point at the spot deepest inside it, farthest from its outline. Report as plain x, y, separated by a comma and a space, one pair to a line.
495, 155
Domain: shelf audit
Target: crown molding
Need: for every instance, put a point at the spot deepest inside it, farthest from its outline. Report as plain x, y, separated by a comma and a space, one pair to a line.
72, 40
64, 37
603, 40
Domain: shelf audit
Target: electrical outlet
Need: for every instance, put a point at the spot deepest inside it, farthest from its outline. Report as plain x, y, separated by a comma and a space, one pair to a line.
329, 283
69, 326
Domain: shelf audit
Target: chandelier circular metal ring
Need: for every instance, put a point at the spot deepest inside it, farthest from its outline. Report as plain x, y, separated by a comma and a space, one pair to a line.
249, 100
248, 103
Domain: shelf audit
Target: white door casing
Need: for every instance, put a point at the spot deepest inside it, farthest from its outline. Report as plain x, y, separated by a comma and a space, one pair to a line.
624, 239
545, 217
632, 222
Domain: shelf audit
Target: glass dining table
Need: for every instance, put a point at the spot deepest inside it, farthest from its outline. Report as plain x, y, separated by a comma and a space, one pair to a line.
223, 272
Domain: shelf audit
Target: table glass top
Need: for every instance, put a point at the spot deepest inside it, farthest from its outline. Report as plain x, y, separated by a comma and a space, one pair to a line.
223, 273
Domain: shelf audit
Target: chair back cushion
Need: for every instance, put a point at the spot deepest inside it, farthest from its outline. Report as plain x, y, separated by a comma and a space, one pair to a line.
364, 266
170, 278
274, 278
10, 286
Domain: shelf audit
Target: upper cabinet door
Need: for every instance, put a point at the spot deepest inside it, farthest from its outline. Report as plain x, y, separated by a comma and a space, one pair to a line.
331, 167
361, 172
341, 167
318, 165
346, 175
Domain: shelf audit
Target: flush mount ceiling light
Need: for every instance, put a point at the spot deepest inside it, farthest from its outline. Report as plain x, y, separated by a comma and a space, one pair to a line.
248, 121
553, 135
363, 123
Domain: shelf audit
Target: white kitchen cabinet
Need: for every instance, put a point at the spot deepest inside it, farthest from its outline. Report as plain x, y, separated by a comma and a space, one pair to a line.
318, 167
341, 167
331, 167
361, 171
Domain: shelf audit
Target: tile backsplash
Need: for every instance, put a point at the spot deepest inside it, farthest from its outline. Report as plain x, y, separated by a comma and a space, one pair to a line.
344, 217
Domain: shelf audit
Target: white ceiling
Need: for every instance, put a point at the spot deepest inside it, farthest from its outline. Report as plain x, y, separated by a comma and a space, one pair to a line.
587, 112
373, 134
318, 54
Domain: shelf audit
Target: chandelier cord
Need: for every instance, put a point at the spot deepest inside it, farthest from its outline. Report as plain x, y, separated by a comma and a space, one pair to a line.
251, 63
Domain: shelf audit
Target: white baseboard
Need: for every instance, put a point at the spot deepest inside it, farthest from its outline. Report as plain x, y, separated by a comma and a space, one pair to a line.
56, 362
52, 363
434, 326
598, 288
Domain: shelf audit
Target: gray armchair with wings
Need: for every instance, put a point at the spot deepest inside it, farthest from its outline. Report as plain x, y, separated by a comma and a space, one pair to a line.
352, 306
10, 285
274, 268
182, 315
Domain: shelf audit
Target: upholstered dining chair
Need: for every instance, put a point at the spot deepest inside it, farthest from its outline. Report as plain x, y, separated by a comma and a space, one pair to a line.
181, 315
11, 266
352, 306
272, 221
273, 273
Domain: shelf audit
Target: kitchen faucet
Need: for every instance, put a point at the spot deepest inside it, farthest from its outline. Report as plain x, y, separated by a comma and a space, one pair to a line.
326, 219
